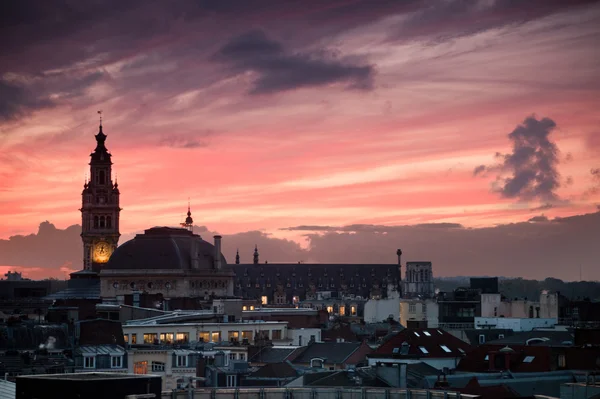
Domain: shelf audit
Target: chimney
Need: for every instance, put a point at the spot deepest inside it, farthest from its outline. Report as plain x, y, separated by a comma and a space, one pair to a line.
218, 252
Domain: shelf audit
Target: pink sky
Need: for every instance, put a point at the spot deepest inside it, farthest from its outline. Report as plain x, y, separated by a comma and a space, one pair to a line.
441, 100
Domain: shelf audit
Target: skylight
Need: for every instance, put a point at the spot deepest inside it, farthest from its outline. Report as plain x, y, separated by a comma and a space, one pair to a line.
528, 359
423, 349
486, 357
445, 348
396, 350
461, 351
416, 333
439, 332
427, 333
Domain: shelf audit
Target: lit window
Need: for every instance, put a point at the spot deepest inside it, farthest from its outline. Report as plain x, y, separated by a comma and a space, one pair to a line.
247, 335
244, 307
427, 333
126, 338
204, 336
116, 362
158, 366
150, 338
352, 310
342, 311
89, 362
264, 300
423, 349
330, 309
276, 334
166, 338
133, 339
182, 338
445, 348
295, 299
528, 359
233, 336
216, 336
140, 367
182, 361
251, 307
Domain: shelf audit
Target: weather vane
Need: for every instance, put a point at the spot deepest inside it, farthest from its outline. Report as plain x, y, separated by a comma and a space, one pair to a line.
100, 113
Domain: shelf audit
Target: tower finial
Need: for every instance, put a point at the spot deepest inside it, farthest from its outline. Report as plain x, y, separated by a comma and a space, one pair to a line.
100, 113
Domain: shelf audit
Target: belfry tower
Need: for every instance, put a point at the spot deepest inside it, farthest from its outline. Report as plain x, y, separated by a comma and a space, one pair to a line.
100, 209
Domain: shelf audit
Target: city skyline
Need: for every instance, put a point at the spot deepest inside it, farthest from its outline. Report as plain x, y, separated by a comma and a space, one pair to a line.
312, 126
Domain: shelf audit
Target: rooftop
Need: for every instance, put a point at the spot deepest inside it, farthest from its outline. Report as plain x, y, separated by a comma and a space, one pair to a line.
85, 376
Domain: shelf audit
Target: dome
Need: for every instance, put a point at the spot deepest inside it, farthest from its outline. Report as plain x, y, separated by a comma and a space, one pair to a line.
164, 248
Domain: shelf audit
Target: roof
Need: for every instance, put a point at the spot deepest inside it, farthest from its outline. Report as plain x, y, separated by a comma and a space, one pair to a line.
489, 334
487, 391
281, 370
537, 337
8, 390
256, 280
113, 350
270, 354
344, 378
89, 292
343, 331
163, 248
332, 352
422, 343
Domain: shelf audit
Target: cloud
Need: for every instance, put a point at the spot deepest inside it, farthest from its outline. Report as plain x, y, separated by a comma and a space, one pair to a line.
17, 100
530, 171
279, 70
540, 218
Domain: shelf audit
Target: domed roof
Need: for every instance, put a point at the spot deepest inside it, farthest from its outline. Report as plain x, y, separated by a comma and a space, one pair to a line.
164, 248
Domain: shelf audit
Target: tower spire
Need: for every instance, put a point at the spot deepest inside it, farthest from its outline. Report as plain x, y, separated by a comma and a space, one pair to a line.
100, 113
255, 257
237, 256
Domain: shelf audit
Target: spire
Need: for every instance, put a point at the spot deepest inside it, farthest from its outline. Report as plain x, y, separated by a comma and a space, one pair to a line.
255, 254
237, 256
189, 222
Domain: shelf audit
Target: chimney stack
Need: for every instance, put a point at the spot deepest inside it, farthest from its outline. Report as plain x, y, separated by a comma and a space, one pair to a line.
218, 252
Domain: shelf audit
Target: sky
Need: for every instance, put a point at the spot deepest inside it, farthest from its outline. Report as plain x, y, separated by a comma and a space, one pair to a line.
325, 131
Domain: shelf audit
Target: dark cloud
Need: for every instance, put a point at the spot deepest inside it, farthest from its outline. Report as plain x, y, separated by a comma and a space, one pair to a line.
280, 70
442, 20
543, 207
17, 100
526, 249
478, 170
540, 218
530, 171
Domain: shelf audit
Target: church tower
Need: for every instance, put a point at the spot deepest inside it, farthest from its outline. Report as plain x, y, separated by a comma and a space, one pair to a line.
100, 209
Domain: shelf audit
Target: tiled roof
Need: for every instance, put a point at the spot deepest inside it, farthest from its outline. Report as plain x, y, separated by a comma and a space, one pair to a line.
114, 350
271, 354
254, 281
281, 370
8, 390
89, 292
332, 352
422, 343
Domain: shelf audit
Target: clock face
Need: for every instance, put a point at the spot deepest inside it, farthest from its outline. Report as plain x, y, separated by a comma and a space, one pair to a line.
102, 252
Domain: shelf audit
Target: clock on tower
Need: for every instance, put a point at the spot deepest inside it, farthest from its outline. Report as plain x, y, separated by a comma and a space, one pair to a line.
100, 209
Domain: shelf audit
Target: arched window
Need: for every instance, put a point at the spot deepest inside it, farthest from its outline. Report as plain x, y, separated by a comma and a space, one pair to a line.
95, 222
102, 222
108, 222
101, 177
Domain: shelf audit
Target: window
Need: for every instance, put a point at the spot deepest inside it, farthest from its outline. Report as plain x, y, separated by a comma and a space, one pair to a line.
108, 222
445, 348
247, 335
487, 357
89, 362
150, 338
495, 311
216, 336
166, 338
231, 380
330, 309
427, 333
276, 334
158, 366
242, 356
182, 338
133, 338
126, 338
251, 307
233, 336
412, 308
481, 339
352, 310
424, 307
232, 356
416, 333
395, 351
461, 351
204, 336
316, 362
181, 361
528, 359
244, 307
140, 367
96, 222
342, 310
264, 300
423, 349
500, 336
295, 299
101, 177
312, 338
116, 362
562, 360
